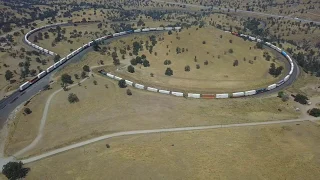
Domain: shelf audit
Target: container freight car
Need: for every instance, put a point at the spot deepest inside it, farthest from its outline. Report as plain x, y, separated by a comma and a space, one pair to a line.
43, 73
24, 86
250, 93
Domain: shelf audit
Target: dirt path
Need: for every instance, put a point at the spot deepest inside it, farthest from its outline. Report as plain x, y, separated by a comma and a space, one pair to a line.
126, 133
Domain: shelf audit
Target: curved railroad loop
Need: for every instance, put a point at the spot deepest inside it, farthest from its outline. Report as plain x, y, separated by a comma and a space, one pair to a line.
252, 92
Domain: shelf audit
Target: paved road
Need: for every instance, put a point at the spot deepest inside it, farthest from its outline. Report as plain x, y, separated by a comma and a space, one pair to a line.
239, 10
126, 133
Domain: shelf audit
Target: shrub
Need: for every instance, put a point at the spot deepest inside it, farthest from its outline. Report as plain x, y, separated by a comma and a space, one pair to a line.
167, 62
86, 68
73, 98
169, 72
76, 76
235, 63
230, 51
15, 170
187, 68
95, 82
133, 62
122, 83
301, 99
206, 62
131, 69
314, 112
230, 41
146, 63
198, 66
27, 110
169, 32
203, 42
129, 93
66, 79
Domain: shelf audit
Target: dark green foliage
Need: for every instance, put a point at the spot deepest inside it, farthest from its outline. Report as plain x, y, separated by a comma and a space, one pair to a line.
259, 45
27, 110
136, 47
302, 99
122, 83
187, 68
95, 46
169, 72
169, 32
131, 69
133, 62
56, 58
146, 63
314, 112
8, 75
275, 71
73, 98
86, 68
15, 170
167, 62
66, 79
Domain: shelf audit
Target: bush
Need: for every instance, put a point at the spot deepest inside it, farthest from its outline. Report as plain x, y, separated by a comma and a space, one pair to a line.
129, 93
167, 62
15, 170
95, 82
314, 112
230, 51
301, 99
206, 62
66, 79
187, 68
235, 63
76, 76
86, 68
203, 42
131, 69
169, 32
198, 66
122, 83
27, 110
133, 62
146, 63
230, 41
169, 72
73, 98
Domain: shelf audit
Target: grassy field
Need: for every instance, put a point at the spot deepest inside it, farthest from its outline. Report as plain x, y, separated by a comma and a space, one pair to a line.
284, 151
218, 76
104, 110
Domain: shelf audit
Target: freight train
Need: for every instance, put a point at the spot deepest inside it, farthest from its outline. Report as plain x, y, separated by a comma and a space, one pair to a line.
77, 51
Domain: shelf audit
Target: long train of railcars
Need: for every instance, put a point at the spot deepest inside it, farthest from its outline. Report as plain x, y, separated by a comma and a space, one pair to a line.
75, 52
191, 95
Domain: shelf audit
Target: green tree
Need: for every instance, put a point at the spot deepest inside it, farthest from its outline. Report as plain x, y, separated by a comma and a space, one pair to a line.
314, 112
302, 99
131, 69
56, 58
27, 110
15, 170
73, 98
169, 72
167, 62
133, 61
95, 46
122, 83
86, 68
146, 63
8, 75
66, 79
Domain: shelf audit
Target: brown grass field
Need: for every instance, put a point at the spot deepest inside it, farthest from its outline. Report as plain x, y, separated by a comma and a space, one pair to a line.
284, 151
218, 76
105, 110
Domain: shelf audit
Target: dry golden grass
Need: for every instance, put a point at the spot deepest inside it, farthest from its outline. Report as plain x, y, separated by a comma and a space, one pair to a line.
218, 76
105, 110
20, 133
284, 151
